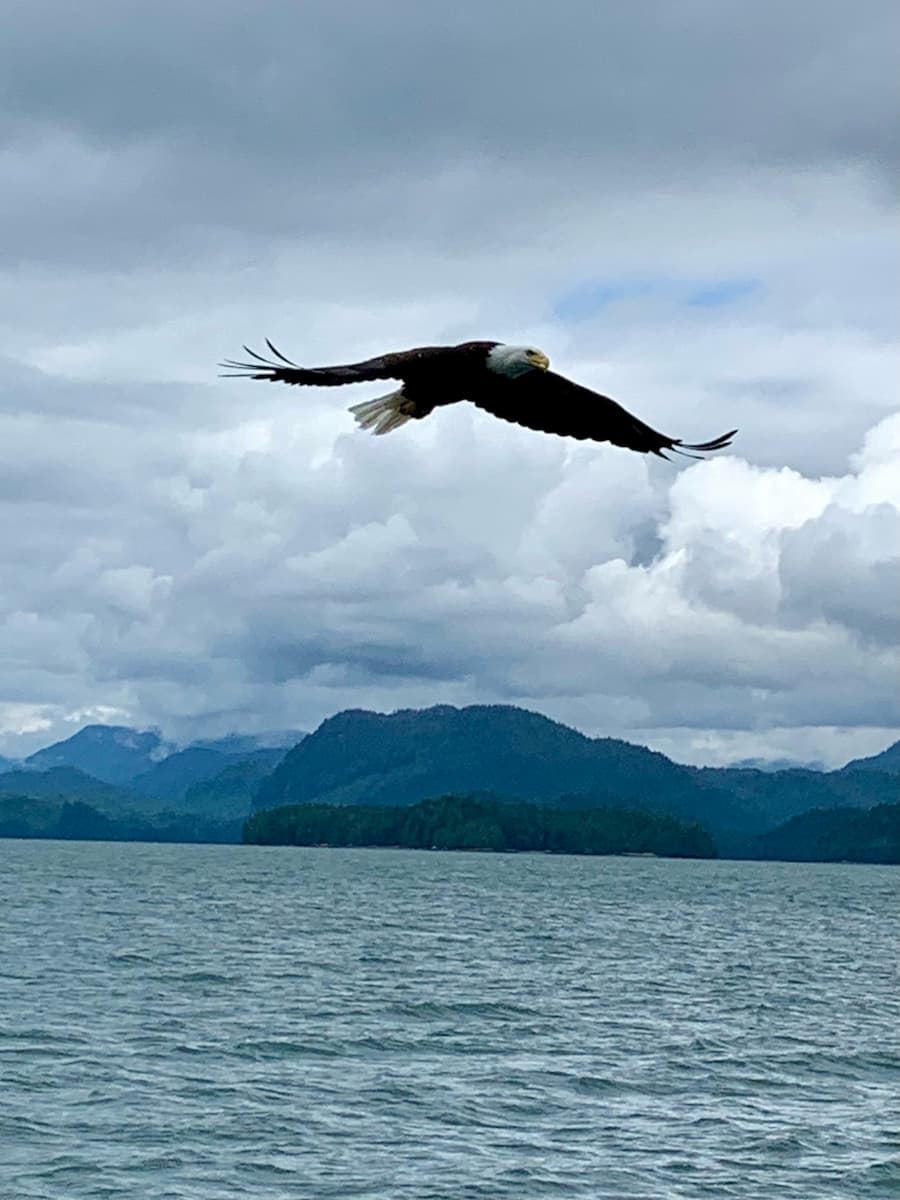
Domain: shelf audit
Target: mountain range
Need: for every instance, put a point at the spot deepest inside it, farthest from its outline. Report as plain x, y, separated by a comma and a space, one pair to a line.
130, 783
120, 755
358, 757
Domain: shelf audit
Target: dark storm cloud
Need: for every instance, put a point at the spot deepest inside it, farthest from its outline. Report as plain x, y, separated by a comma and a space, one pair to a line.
347, 77
146, 131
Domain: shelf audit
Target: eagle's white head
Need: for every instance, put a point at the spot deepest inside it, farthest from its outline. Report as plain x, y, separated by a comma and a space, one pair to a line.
512, 361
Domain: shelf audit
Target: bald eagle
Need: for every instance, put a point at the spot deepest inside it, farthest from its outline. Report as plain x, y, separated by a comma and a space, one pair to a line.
512, 382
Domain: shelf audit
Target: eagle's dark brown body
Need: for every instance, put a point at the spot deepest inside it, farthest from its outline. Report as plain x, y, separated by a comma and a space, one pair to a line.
510, 382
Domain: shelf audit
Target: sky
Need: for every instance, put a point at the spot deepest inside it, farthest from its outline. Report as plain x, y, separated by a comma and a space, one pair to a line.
689, 206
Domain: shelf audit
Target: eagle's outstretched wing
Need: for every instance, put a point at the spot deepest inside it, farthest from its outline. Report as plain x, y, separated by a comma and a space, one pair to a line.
551, 403
279, 369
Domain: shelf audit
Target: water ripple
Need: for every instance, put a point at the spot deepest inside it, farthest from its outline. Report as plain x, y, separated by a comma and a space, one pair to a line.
193, 1023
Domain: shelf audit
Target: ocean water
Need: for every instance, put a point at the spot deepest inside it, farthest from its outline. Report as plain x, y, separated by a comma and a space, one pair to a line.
206, 1023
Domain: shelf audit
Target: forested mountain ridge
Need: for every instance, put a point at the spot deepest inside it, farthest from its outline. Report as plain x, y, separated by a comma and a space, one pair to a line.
888, 760
360, 757
836, 835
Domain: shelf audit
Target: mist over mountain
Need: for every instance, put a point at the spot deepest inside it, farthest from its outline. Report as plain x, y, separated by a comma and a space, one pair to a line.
118, 754
774, 764
113, 753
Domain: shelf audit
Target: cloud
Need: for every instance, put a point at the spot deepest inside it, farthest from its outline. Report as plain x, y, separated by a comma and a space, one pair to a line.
692, 208
285, 581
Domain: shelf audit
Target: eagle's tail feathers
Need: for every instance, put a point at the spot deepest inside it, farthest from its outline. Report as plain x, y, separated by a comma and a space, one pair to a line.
384, 413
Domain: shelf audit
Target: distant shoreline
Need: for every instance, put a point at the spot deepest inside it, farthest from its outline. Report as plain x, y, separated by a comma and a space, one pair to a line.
721, 858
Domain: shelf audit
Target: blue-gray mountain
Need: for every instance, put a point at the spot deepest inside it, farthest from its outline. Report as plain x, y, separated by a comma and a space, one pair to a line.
137, 787
174, 777
112, 753
887, 760
141, 760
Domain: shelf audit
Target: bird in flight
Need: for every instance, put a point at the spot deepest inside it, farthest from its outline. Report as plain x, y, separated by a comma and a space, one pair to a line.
511, 382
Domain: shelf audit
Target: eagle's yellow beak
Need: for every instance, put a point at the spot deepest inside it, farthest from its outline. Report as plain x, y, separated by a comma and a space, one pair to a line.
539, 359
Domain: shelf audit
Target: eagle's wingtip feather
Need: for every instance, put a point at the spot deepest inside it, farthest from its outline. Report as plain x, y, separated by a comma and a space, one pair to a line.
278, 354
718, 443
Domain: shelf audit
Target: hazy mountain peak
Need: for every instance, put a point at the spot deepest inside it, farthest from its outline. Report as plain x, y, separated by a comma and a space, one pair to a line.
113, 753
118, 754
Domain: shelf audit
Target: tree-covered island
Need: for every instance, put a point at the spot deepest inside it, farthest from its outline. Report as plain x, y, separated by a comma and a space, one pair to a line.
474, 823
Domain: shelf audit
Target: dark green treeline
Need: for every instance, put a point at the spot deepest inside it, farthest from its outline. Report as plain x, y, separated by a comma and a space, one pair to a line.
469, 823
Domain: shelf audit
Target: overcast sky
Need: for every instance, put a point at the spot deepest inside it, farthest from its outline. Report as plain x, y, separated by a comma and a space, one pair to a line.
689, 204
